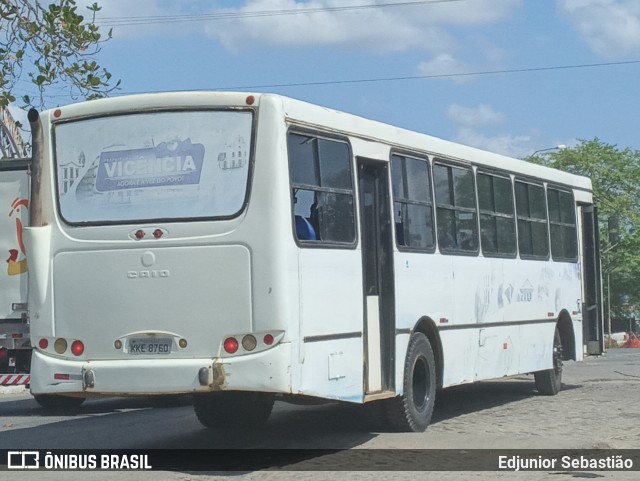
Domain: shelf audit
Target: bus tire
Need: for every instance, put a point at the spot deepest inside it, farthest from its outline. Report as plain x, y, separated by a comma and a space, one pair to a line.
411, 411
233, 409
54, 401
549, 381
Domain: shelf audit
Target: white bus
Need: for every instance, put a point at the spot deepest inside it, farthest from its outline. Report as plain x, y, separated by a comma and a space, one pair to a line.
243, 247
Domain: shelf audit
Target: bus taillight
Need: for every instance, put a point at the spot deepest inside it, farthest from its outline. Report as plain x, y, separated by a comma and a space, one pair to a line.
43, 344
250, 343
231, 345
77, 348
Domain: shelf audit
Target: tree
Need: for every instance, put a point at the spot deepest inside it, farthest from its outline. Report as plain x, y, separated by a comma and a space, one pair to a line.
50, 44
615, 175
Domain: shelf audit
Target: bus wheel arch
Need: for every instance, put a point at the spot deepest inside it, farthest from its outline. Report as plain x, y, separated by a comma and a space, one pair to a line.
567, 336
411, 411
549, 381
428, 327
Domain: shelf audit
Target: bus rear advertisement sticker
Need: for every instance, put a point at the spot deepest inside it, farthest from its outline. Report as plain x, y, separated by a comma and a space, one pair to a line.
162, 165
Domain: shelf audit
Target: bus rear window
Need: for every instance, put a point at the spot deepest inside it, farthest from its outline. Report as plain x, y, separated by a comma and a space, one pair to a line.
153, 166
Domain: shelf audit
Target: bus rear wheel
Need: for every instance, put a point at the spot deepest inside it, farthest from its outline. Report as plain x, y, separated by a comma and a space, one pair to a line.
233, 409
53, 401
411, 411
549, 381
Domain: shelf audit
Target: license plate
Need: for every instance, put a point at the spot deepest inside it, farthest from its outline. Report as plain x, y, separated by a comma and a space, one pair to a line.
150, 345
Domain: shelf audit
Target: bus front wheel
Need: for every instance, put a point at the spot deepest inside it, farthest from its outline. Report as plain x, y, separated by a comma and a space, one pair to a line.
233, 409
412, 410
549, 381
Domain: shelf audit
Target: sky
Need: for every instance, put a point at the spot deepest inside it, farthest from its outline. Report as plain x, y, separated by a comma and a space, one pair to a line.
509, 76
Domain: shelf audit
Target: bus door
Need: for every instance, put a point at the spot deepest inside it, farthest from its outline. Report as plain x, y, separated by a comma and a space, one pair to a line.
592, 324
377, 260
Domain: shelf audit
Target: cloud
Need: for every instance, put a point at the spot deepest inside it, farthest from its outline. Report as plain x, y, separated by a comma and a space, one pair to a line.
481, 115
377, 29
611, 28
113, 12
517, 146
467, 120
444, 65
389, 29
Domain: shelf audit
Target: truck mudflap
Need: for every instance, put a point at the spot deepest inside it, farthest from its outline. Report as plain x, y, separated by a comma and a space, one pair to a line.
15, 379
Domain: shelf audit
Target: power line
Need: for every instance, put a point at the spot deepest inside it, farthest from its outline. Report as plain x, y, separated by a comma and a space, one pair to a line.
397, 79
157, 19
433, 76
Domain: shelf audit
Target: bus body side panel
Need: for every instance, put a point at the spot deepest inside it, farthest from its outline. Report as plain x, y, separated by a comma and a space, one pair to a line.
331, 316
496, 317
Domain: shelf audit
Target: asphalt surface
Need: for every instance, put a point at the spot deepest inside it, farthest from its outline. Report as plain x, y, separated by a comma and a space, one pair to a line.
598, 408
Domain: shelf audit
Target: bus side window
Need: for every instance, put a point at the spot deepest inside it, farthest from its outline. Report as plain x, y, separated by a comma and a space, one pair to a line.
456, 209
497, 218
322, 184
413, 207
562, 219
533, 231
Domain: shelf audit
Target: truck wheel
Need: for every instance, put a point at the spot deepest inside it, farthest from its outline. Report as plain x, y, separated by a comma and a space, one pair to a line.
53, 401
412, 410
549, 382
233, 409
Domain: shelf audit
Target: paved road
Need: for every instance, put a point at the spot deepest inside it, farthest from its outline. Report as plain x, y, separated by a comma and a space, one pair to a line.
599, 407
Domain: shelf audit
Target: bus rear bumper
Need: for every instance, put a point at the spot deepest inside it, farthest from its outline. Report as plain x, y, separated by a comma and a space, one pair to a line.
266, 371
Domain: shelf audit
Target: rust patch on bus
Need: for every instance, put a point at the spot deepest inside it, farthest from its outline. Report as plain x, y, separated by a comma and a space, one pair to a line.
218, 377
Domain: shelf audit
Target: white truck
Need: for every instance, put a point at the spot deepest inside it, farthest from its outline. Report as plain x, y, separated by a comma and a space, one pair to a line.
15, 344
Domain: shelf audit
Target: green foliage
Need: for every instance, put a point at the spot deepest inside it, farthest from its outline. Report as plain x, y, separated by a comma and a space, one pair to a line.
50, 44
615, 175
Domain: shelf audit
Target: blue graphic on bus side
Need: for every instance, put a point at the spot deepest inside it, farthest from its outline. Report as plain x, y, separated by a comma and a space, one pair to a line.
151, 167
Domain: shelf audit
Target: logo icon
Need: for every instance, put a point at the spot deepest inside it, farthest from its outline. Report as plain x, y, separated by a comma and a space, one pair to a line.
23, 460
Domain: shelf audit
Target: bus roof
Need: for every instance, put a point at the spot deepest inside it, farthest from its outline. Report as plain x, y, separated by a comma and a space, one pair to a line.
330, 120
396, 137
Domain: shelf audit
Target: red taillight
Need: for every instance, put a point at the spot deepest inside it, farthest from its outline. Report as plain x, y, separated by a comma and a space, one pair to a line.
158, 233
61, 377
268, 339
231, 345
43, 344
250, 100
139, 234
77, 348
